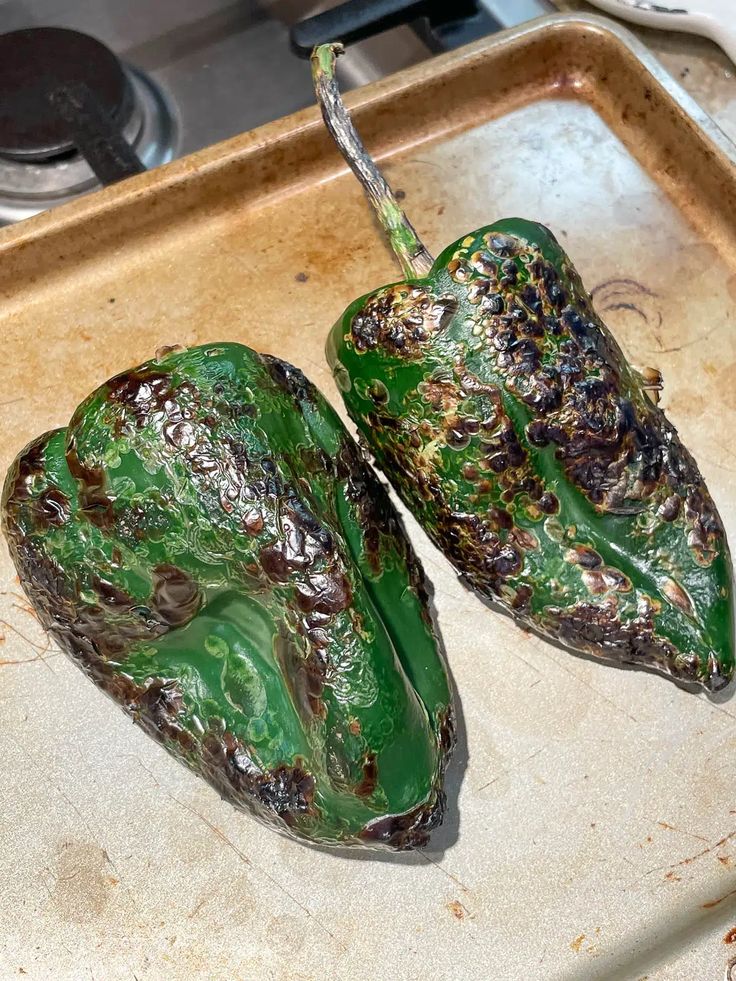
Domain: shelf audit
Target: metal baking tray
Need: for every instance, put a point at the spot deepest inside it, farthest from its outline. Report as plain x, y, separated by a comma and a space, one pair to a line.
595, 831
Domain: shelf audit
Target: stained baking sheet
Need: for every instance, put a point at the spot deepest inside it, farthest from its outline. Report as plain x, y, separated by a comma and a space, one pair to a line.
592, 824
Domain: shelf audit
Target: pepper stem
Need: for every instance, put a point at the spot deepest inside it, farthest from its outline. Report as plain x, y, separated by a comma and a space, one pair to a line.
415, 260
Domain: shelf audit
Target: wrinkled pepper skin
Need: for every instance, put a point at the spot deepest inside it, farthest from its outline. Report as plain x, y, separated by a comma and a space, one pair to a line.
207, 543
507, 418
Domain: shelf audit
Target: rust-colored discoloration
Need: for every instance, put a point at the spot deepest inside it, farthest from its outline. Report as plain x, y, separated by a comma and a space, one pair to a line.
705, 851
730, 936
457, 909
711, 904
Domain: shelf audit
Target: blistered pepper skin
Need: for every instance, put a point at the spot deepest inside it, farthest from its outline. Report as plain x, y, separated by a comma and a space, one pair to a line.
507, 418
207, 543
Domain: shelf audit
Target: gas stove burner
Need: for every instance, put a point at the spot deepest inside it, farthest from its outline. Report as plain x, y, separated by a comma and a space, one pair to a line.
34, 64
72, 118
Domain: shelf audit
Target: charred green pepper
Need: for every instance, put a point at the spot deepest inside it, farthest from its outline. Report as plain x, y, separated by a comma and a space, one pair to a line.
507, 418
207, 543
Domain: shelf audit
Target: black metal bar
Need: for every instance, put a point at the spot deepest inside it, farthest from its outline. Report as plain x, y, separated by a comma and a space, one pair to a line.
94, 134
353, 21
359, 19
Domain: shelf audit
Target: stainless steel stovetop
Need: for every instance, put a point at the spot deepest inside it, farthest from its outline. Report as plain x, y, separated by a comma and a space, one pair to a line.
200, 71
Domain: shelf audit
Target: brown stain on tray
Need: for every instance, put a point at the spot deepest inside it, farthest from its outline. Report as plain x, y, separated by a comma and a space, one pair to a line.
457, 909
83, 881
712, 903
704, 851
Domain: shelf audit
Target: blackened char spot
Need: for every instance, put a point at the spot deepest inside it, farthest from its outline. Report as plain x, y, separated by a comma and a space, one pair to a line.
409, 830
304, 539
375, 516
583, 556
717, 680
530, 295
671, 508
51, 507
84, 630
111, 595
155, 706
321, 538
287, 791
161, 702
506, 562
500, 518
176, 596
140, 390
280, 793
27, 467
324, 592
522, 599
510, 272
401, 319
706, 530
548, 503
503, 245
303, 672
447, 736
545, 392
94, 502
536, 432
598, 629
93, 639
369, 780
293, 381
274, 563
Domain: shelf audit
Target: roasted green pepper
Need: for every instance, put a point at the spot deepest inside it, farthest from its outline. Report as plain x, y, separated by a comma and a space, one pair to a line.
207, 543
507, 418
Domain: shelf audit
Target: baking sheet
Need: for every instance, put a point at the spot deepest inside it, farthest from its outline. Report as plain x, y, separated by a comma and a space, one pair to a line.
592, 824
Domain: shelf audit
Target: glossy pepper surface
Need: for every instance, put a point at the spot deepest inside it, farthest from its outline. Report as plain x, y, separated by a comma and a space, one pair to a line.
509, 421
207, 543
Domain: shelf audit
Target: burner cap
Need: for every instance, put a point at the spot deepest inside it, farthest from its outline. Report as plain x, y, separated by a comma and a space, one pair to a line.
34, 64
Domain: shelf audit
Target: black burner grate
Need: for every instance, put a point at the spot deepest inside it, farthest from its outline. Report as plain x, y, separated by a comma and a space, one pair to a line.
62, 91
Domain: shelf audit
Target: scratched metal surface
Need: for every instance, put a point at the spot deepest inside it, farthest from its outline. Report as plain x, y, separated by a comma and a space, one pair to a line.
596, 829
